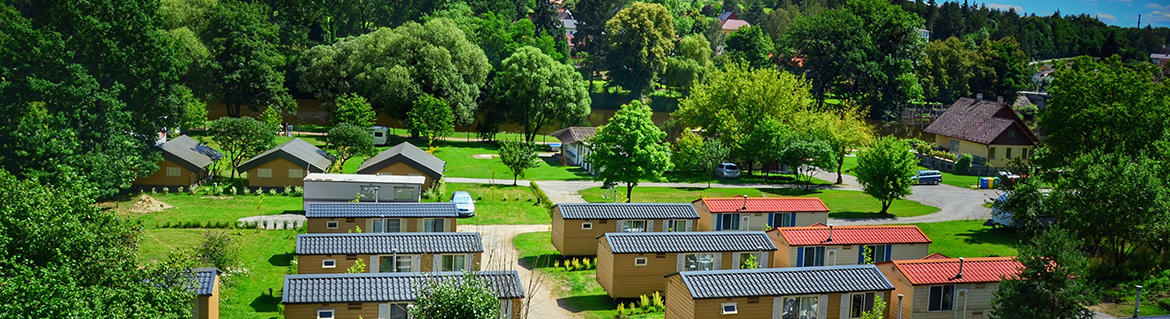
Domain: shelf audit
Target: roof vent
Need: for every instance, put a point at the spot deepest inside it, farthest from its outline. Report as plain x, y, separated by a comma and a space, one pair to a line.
830, 234
744, 202
960, 275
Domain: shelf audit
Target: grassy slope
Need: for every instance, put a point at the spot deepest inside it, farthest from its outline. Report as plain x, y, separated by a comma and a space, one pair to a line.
970, 239
579, 289
491, 209
842, 204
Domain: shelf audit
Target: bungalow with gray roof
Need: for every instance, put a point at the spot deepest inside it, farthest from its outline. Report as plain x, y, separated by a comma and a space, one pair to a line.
575, 227
390, 217
407, 160
286, 164
185, 163
810, 292
388, 252
382, 295
634, 264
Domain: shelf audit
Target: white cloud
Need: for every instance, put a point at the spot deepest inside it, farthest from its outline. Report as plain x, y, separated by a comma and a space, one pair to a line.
1106, 17
1160, 13
1005, 7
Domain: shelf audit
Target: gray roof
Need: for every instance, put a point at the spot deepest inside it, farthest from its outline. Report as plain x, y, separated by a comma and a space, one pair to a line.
205, 281
383, 287
626, 210
977, 121
388, 209
406, 153
790, 281
683, 242
387, 243
296, 151
187, 152
570, 135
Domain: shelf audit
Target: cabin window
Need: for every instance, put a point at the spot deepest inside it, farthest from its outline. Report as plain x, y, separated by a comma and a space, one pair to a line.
399, 263
587, 225
331, 224
942, 298
639, 261
1009, 153
296, 173
813, 256
329, 263
325, 313
174, 171
1011, 133
860, 304
433, 225
264, 172
403, 193
393, 311
692, 262
801, 307
784, 219
634, 226
676, 225
991, 152
730, 308
387, 225
744, 257
369, 193
876, 253
454, 263
729, 222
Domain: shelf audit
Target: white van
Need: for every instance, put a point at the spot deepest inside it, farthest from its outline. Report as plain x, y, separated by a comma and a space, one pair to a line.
381, 135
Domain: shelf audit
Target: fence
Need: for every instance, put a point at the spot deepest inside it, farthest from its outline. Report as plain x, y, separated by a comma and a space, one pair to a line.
949, 166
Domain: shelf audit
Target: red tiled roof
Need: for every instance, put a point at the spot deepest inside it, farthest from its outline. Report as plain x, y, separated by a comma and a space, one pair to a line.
819, 224
735, 24
766, 205
854, 235
936, 256
943, 271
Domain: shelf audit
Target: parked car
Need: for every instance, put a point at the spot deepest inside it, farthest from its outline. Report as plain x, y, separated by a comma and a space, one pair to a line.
727, 170
464, 203
927, 177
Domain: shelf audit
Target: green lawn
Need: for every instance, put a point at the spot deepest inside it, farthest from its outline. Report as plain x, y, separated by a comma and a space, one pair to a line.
213, 209
491, 208
755, 178
952, 179
970, 239
576, 290
461, 164
842, 204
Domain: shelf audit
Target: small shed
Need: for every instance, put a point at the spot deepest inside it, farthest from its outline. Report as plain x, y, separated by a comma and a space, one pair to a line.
406, 160
286, 164
185, 163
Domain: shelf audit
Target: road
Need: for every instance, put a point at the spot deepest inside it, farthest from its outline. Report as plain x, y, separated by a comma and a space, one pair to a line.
500, 254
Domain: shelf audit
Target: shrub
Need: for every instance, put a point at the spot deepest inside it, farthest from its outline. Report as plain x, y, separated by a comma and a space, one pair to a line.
1028, 111
287, 191
180, 190
963, 165
217, 250
272, 191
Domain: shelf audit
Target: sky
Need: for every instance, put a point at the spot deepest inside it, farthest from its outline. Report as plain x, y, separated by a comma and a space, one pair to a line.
1114, 12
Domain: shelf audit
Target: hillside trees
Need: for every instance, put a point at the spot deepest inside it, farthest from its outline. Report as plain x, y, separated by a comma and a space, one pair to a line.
750, 45
353, 109
640, 37
592, 16
393, 67
535, 90
692, 62
245, 67
630, 148
699, 154
1052, 283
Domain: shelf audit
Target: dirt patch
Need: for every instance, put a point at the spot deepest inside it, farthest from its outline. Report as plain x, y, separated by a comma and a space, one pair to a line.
484, 156
147, 204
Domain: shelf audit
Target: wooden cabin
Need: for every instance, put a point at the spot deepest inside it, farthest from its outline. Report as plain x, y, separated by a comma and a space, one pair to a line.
336, 253
634, 264
812, 292
759, 213
186, 163
363, 188
575, 227
391, 217
286, 164
406, 160
847, 245
382, 295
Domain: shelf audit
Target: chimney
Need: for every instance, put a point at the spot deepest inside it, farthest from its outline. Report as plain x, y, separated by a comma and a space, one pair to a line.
744, 203
960, 275
830, 234
979, 96
999, 98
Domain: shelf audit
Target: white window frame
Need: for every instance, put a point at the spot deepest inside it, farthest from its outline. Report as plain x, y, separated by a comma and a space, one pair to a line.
640, 261
587, 226
671, 225
799, 301
300, 173
397, 259
942, 293
174, 171
325, 263
863, 296
645, 225
699, 261
734, 308
332, 224
332, 313
264, 172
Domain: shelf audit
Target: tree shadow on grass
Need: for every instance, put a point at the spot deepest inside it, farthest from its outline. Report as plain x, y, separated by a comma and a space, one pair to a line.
860, 215
790, 191
265, 303
587, 303
994, 236
539, 261
281, 260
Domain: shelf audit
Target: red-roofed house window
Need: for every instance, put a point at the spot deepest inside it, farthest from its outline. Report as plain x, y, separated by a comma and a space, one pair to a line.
942, 298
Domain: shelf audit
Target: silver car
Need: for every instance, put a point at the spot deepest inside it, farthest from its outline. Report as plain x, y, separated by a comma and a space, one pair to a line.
727, 170
464, 203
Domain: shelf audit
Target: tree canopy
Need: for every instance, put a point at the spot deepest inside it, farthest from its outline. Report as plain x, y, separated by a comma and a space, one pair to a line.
241, 138
885, 169
1052, 283
245, 67
750, 45
536, 91
346, 141
640, 37
430, 118
353, 109
630, 148
518, 156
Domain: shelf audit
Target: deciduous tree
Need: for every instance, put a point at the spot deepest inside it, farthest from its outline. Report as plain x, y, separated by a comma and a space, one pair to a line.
640, 37
518, 156
750, 45
470, 297
1052, 283
700, 155
430, 118
245, 67
346, 141
537, 90
805, 155
241, 138
353, 109
885, 169
630, 148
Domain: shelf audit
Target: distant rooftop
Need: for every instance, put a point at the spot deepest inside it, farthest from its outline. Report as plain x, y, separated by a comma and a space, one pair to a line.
853, 235
365, 178
383, 209
384, 287
945, 271
387, 243
765, 205
685, 242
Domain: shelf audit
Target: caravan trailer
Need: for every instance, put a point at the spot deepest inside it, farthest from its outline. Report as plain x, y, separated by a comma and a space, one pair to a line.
362, 187
381, 135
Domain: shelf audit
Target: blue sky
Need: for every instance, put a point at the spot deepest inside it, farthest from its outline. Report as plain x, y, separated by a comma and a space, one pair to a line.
1114, 12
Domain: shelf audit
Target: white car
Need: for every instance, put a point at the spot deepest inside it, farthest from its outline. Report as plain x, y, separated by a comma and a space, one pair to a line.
727, 170
464, 203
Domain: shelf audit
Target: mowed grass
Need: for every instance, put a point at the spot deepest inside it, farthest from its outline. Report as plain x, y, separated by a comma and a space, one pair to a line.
501, 204
210, 209
969, 238
460, 163
756, 177
576, 290
264, 255
842, 204
952, 179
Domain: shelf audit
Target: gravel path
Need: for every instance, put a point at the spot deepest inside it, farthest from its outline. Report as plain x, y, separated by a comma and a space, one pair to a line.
500, 254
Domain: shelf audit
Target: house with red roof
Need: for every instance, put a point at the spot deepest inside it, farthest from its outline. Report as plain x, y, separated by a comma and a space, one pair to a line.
847, 245
946, 287
758, 213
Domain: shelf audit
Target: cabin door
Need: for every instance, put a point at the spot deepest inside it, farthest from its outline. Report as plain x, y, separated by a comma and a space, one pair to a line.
832, 258
744, 221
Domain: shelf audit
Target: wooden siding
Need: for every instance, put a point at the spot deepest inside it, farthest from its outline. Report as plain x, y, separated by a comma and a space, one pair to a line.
279, 167
186, 177
311, 264
344, 225
901, 286
679, 304
617, 274
368, 310
558, 229
706, 220
808, 219
402, 169
207, 307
